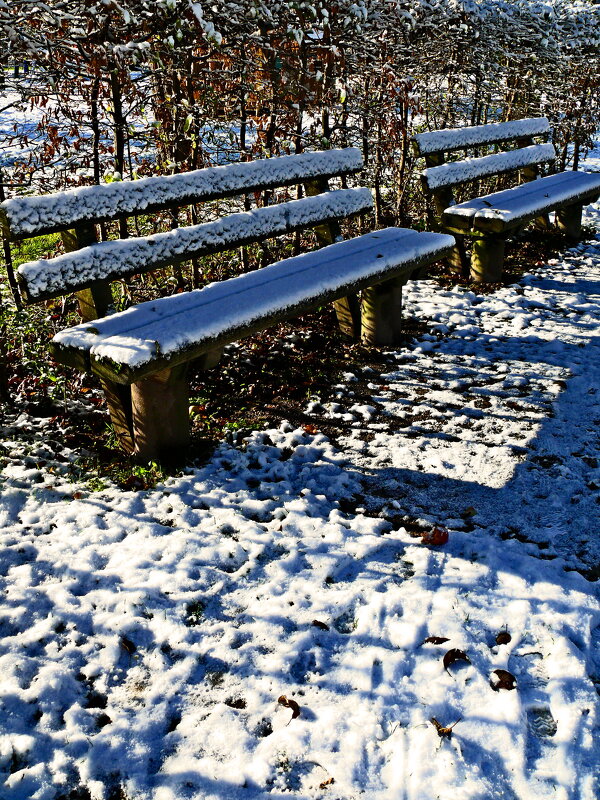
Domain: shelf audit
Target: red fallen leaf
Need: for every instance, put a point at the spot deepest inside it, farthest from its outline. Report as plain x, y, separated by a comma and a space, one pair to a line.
435, 640
504, 680
283, 701
438, 535
454, 655
321, 625
443, 731
77, 495
312, 429
503, 637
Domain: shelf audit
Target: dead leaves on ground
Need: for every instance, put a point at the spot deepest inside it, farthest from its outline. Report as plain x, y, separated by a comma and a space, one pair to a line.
453, 656
435, 640
503, 637
443, 731
503, 680
291, 704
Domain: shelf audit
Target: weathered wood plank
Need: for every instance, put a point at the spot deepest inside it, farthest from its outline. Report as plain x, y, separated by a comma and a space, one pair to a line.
568, 220
131, 198
120, 260
160, 415
122, 373
452, 139
94, 300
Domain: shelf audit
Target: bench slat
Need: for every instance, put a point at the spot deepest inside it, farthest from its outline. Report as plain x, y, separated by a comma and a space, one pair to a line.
122, 258
165, 332
510, 208
469, 169
460, 138
23, 217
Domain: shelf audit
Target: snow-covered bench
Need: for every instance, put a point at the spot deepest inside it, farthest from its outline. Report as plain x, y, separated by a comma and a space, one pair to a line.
142, 354
491, 219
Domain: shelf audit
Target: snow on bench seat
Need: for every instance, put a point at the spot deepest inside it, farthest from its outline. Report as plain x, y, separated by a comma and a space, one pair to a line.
131, 344
461, 138
511, 207
470, 169
22, 217
121, 258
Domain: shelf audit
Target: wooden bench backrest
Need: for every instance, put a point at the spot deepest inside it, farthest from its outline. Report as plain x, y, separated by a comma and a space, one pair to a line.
119, 259
440, 177
25, 217
89, 266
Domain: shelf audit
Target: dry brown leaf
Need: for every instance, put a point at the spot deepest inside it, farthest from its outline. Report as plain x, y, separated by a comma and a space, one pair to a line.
292, 704
443, 731
504, 680
503, 637
323, 626
326, 783
435, 640
454, 655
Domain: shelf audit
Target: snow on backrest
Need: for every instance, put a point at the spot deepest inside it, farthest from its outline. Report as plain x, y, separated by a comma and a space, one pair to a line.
31, 216
121, 258
459, 138
471, 168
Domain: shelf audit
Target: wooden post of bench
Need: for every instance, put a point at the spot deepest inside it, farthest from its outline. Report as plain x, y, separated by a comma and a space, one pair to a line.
487, 259
160, 412
531, 173
568, 220
94, 302
442, 198
347, 309
382, 312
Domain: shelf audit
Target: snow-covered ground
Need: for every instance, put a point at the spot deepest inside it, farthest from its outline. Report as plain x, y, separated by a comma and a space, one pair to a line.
158, 645
147, 637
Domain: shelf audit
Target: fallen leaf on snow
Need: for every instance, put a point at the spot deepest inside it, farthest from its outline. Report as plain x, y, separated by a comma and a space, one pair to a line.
454, 655
292, 704
438, 535
503, 637
323, 626
503, 680
443, 731
435, 640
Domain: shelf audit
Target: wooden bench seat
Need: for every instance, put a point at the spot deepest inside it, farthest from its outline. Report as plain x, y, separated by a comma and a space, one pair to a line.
147, 345
512, 208
142, 354
490, 219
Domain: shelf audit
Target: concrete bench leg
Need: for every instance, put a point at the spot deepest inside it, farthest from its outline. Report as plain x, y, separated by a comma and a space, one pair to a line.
118, 400
347, 310
487, 259
382, 312
160, 415
568, 220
